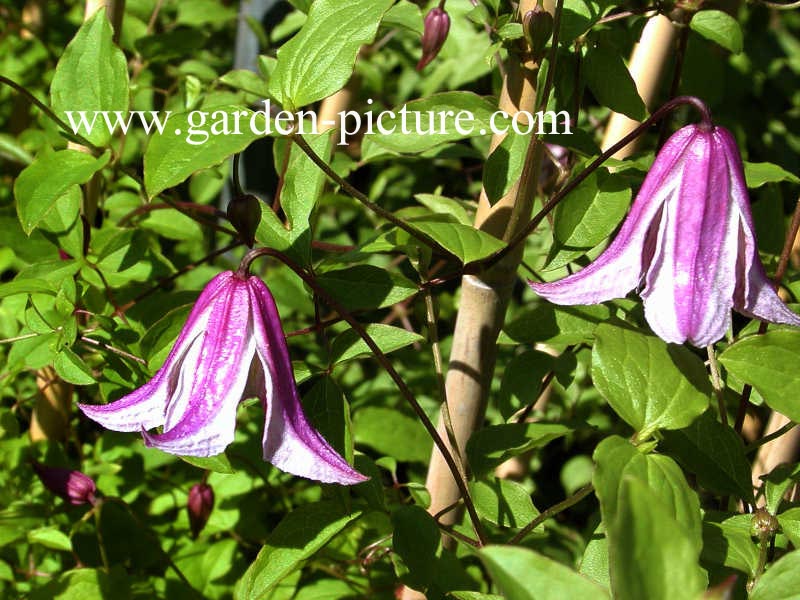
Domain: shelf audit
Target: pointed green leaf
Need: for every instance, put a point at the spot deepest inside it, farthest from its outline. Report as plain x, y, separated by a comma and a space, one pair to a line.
714, 453
523, 574
650, 384
719, 27
319, 60
349, 344
300, 534
197, 140
48, 178
769, 363
91, 75
611, 83
779, 580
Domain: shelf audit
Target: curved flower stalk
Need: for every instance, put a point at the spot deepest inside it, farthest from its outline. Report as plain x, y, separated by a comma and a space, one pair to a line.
232, 347
689, 240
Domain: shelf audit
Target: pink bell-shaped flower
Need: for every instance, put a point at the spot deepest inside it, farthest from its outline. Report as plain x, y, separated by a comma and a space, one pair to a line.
232, 347
689, 240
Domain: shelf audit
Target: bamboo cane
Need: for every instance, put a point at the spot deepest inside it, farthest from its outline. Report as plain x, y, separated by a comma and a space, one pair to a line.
648, 59
484, 299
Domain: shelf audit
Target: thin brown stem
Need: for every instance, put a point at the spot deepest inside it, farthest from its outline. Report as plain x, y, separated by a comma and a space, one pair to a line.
553, 511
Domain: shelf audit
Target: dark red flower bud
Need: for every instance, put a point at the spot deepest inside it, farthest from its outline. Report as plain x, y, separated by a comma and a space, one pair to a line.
199, 505
244, 213
537, 25
437, 25
73, 486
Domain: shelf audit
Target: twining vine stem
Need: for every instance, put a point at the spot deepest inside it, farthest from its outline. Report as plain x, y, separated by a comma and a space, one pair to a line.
387, 366
552, 511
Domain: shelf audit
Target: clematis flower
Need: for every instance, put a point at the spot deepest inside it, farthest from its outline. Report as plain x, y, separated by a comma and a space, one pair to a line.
232, 347
689, 240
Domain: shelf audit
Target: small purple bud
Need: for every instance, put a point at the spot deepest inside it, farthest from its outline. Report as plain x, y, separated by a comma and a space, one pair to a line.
537, 25
199, 505
73, 486
437, 24
244, 213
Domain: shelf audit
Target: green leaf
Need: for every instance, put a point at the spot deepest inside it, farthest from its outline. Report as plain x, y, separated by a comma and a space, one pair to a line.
648, 383
474, 596
652, 557
91, 75
456, 116
757, 174
27, 286
523, 574
447, 206
416, 540
245, 80
611, 83
769, 363
727, 542
392, 433
493, 445
463, 241
577, 18
557, 324
329, 413
652, 521
83, 584
48, 178
778, 482
503, 168
159, 339
319, 60
591, 211
70, 367
49, 537
522, 379
302, 187
404, 14
300, 534
197, 140
349, 345
503, 502
218, 463
790, 525
714, 453
365, 286
779, 580
719, 27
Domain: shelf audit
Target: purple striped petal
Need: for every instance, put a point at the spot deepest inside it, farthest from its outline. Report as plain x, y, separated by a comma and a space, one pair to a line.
619, 268
145, 407
290, 442
201, 411
755, 294
690, 281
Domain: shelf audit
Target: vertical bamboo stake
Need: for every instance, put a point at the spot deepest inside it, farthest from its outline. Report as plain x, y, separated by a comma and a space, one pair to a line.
50, 418
649, 57
484, 299
779, 451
